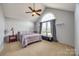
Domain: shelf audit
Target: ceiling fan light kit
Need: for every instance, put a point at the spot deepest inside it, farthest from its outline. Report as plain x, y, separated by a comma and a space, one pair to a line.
34, 11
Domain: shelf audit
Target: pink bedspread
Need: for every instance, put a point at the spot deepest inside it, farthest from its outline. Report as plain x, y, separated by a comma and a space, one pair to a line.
26, 39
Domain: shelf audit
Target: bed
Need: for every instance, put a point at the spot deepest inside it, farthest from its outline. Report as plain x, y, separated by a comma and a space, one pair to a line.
26, 39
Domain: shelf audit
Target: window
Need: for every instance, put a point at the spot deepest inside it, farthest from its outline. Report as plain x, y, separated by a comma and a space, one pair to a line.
49, 29
46, 29
47, 17
46, 25
43, 32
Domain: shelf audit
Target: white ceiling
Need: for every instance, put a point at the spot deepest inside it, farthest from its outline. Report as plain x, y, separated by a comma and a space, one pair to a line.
17, 11
62, 6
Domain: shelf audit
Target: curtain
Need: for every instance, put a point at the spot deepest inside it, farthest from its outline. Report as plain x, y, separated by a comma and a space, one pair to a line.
35, 27
40, 27
53, 30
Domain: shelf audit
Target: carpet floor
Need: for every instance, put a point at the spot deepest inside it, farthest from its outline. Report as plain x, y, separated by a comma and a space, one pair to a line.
42, 48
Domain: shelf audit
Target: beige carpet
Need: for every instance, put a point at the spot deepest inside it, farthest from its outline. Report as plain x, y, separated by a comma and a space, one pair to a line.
43, 48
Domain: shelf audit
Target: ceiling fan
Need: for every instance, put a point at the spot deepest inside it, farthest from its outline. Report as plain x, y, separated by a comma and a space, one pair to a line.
34, 11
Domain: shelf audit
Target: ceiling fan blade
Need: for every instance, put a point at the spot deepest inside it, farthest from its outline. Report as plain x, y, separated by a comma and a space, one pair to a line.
28, 12
38, 10
37, 13
30, 8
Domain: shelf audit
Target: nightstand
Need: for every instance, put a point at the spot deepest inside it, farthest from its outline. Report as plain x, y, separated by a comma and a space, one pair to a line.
12, 38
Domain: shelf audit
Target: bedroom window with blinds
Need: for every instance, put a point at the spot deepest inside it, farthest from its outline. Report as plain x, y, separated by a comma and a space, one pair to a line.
43, 32
46, 29
46, 25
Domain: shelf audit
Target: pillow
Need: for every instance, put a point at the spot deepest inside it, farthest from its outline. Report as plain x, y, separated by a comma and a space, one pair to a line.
35, 31
25, 33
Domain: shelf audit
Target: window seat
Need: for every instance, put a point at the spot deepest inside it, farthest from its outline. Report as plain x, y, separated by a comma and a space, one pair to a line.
47, 38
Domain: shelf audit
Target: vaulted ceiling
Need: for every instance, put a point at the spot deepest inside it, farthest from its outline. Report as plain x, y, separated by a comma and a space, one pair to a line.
62, 6
17, 11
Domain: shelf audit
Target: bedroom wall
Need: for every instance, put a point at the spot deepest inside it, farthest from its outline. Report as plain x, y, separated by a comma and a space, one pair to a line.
18, 25
64, 25
77, 30
1, 28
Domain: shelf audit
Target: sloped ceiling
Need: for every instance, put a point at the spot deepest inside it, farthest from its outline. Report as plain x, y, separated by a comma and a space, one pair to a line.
17, 11
62, 6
